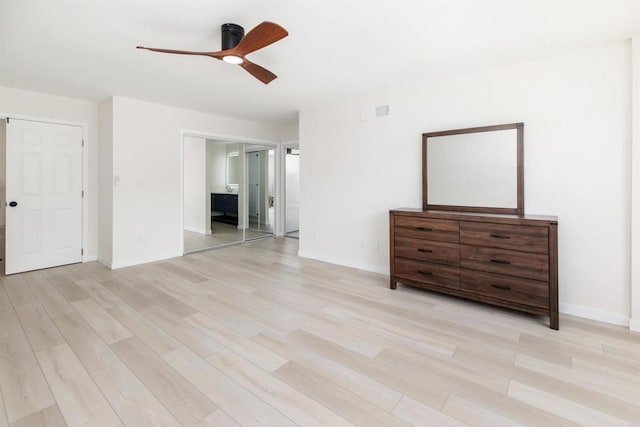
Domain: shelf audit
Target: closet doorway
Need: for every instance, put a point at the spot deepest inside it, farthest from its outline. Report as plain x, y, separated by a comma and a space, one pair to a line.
229, 192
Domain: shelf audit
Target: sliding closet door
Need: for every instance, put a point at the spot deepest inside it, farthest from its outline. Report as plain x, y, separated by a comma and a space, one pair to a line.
260, 213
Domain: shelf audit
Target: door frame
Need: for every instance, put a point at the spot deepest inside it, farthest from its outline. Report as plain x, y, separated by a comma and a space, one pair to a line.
236, 139
85, 173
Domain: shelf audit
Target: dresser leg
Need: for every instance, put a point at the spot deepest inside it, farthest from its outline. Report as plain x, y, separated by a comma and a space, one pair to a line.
554, 321
393, 284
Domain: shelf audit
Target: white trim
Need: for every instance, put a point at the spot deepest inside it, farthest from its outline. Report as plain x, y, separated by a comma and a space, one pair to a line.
634, 248
105, 262
85, 166
346, 263
197, 230
594, 314
89, 258
145, 260
634, 325
226, 138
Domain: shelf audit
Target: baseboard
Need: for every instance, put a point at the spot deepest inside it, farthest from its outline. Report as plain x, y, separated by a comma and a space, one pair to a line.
129, 263
89, 258
346, 263
594, 314
197, 230
634, 325
105, 262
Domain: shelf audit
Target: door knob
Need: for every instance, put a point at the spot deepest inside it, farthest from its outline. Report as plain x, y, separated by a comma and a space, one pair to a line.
13, 204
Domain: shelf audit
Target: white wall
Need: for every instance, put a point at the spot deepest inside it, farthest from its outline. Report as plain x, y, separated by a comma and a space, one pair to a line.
634, 322
195, 195
147, 204
41, 106
576, 110
290, 133
106, 182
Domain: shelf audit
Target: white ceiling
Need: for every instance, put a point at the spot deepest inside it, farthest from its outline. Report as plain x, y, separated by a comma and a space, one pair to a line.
86, 49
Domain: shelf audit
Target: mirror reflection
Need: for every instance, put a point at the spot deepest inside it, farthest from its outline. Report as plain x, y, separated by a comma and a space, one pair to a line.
260, 166
233, 169
212, 190
473, 169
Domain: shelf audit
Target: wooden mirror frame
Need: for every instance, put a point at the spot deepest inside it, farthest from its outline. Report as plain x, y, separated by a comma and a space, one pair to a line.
518, 210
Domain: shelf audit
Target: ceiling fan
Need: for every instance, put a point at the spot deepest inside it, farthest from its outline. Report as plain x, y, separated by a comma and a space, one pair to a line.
235, 47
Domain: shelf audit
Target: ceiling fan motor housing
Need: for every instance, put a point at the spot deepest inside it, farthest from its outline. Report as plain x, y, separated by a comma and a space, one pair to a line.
231, 35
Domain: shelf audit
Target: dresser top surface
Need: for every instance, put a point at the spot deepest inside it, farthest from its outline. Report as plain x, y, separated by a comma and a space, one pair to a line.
473, 216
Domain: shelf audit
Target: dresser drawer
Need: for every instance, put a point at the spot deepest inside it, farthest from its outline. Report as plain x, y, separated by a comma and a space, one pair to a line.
515, 237
502, 261
430, 229
523, 291
428, 250
426, 272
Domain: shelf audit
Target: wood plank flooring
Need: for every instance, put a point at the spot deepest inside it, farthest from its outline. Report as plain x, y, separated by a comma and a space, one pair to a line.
252, 335
222, 234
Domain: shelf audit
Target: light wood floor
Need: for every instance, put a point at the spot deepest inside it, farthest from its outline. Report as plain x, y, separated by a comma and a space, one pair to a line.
222, 234
253, 335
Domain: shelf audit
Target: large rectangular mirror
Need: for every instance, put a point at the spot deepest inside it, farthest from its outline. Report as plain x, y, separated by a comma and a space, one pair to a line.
475, 169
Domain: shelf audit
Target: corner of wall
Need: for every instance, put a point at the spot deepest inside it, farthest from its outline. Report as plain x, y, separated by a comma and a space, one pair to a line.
105, 262
634, 249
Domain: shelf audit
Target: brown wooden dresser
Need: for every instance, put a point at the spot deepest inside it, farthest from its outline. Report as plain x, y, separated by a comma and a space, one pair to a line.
501, 259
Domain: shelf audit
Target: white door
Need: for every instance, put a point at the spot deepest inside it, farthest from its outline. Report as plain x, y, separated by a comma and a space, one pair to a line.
44, 195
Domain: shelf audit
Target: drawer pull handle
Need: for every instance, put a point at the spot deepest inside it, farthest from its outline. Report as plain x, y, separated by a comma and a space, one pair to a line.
425, 273
424, 228
500, 236
428, 251
500, 261
503, 287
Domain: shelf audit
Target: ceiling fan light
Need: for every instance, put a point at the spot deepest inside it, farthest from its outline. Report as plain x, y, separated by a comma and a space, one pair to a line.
232, 59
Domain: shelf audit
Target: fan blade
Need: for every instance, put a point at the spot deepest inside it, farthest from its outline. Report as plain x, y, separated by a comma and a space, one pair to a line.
260, 73
216, 55
263, 35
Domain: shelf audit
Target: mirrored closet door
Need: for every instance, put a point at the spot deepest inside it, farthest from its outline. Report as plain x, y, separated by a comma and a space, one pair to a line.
260, 191
212, 195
